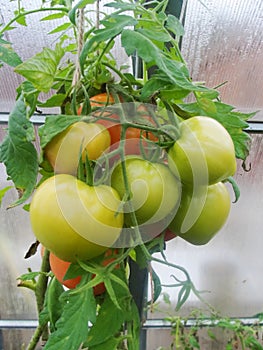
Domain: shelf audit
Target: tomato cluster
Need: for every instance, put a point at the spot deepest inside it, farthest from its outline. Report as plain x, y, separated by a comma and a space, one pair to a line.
179, 193
202, 158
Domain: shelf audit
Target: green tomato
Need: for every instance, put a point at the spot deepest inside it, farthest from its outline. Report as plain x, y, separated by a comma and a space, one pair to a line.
81, 138
202, 213
155, 192
204, 154
74, 220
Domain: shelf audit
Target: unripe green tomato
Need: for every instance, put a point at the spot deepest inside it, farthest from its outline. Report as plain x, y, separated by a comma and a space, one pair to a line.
74, 220
202, 213
204, 154
155, 192
81, 138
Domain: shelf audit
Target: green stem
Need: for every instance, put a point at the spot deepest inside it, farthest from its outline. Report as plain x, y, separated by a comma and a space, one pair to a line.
36, 336
41, 288
62, 9
117, 71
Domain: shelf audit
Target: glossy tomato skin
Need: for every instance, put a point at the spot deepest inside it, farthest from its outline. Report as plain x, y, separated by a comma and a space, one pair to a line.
155, 191
210, 207
59, 267
63, 150
74, 220
204, 153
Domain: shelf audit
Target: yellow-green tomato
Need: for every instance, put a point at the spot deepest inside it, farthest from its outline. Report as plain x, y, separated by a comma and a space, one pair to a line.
204, 154
155, 191
202, 213
74, 220
81, 138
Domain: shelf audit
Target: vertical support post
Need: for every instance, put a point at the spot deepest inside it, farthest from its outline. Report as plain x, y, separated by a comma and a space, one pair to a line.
138, 282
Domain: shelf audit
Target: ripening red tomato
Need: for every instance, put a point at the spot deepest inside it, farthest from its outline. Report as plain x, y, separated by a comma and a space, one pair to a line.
59, 267
133, 135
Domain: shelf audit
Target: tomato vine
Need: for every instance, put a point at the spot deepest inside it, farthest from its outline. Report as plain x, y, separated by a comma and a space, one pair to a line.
156, 107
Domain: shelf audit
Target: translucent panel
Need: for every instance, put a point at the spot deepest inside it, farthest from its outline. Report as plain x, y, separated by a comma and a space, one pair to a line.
223, 42
31, 39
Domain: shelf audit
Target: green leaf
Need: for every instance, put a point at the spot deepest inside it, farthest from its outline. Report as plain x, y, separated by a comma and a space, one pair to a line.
163, 85
72, 327
183, 296
54, 101
7, 54
22, 19
30, 95
157, 286
61, 28
175, 71
111, 317
174, 25
55, 124
233, 121
122, 5
111, 343
3, 192
53, 16
18, 153
108, 323
54, 305
235, 187
157, 35
41, 69
29, 276
113, 27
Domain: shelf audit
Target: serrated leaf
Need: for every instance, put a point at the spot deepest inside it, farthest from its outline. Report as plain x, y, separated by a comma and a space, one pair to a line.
40, 69
8, 55
113, 27
29, 276
175, 71
18, 153
174, 25
72, 327
108, 323
30, 95
55, 124
61, 28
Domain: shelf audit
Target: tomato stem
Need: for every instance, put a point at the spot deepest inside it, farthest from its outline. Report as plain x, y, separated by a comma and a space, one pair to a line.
40, 292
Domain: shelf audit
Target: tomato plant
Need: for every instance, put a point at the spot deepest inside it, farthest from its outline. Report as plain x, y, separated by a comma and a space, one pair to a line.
78, 215
202, 213
74, 220
204, 152
76, 142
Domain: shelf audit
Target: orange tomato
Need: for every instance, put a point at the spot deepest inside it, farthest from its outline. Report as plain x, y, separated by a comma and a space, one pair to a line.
59, 267
133, 135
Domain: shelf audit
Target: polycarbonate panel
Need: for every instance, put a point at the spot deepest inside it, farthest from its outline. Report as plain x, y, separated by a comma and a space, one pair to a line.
223, 42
